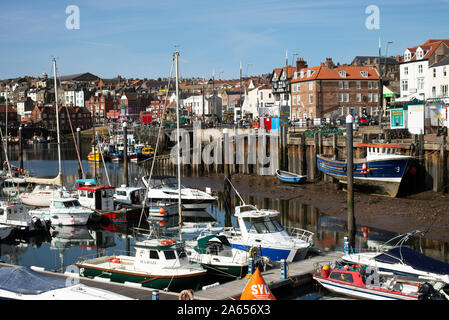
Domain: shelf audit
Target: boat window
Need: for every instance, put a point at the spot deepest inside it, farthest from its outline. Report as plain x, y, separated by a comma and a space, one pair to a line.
90, 194
181, 253
277, 225
121, 193
169, 255
9, 211
82, 193
58, 204
260, 227
107, 193
154, 254
342, 276
270, 226
2, 212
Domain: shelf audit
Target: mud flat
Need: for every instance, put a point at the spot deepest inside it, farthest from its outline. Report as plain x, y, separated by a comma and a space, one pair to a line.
426, 211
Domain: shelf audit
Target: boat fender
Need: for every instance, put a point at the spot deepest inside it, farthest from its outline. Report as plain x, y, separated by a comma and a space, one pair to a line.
186, 295
114, 260
165, 242
161, 211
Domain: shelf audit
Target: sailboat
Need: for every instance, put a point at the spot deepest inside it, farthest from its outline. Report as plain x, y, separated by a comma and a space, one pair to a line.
159, 263
47, 189
62, 210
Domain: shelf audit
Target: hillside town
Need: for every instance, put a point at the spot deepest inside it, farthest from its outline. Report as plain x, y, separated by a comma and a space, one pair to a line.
368, 86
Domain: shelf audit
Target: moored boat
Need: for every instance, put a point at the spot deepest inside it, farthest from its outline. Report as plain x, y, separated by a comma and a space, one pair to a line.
157, 263
290, 177
63, 211
216, 254
20, 283
358, 282
383, 169
259, 228
401, 260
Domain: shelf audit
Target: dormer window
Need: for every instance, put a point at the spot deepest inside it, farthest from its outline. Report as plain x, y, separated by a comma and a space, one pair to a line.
364, 74
342, 73
419, 54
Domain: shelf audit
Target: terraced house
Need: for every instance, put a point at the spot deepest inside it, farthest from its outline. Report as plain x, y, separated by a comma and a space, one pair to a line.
329, 91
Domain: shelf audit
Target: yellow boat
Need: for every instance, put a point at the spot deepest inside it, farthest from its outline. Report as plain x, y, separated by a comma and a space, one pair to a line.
94, 155
145, 153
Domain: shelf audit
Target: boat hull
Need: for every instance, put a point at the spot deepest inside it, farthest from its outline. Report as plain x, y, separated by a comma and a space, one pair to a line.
288, 177
172, 282
224, 270
276, 254
361, 292
383, 176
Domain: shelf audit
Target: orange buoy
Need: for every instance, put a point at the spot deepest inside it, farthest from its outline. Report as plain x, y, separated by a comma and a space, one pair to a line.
257, 289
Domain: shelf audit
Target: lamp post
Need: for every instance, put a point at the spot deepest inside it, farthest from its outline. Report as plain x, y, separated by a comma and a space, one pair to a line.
350, 179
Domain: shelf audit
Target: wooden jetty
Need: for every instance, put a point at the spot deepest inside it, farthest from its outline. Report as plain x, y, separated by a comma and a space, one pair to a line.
299, 273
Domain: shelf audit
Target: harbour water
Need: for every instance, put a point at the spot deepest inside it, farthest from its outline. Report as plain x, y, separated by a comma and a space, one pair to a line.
67, 245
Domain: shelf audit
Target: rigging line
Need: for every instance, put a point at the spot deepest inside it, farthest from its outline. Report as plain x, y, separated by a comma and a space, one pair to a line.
147, 190
241, 199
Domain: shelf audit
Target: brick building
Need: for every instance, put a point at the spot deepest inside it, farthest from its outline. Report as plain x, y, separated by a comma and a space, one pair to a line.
45, 116
99, 106
329, 91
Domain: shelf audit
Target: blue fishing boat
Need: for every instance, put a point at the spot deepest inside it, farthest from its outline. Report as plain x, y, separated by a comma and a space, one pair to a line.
383, 168
289, 177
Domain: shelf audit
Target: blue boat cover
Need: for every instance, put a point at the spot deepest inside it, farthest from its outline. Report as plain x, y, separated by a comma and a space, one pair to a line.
26, 281
414, 259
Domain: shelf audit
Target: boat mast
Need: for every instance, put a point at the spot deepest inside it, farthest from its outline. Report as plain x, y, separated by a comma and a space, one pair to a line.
57, 118
176, 55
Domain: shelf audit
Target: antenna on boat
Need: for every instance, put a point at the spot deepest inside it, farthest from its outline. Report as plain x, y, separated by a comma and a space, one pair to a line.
241, 199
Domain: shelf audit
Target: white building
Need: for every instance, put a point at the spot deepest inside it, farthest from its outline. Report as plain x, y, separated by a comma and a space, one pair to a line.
258, 102
199, 106
438, 79
415, 69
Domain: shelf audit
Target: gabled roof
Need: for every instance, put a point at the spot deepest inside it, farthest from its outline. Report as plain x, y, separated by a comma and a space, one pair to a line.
428, 47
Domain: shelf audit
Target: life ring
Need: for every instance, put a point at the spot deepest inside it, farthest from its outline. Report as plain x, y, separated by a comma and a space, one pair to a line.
165, 242
253, 252
186, 295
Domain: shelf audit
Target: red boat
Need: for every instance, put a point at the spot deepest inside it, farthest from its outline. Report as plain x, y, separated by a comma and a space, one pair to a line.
361, 282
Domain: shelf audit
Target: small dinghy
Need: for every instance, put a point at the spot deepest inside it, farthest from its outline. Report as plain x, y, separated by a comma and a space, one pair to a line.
290, 177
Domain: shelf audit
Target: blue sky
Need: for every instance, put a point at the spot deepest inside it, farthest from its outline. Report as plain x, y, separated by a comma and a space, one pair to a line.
136, 38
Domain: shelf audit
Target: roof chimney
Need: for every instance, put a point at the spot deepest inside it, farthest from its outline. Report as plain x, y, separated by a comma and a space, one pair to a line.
300, 64
329, 63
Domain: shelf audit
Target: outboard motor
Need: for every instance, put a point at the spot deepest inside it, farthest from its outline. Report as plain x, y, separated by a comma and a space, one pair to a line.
427, 292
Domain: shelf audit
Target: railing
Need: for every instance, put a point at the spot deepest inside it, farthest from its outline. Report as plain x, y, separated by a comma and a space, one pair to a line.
300, 234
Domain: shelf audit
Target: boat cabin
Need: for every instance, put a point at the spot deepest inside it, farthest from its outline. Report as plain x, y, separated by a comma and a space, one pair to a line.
97, 197
159, 252
64, 203
129, 195
382, 151
255, 221
13, 213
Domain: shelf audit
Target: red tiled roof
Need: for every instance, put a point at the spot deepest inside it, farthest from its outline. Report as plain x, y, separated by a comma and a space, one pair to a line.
429, 47
352, 73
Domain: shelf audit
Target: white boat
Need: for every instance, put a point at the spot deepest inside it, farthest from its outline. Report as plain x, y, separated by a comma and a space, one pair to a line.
156, 263
15, 215
42, 194
259, 228
131, 199
216, 254
401, 260
63, 211
165, 188
20, 283
13, 186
